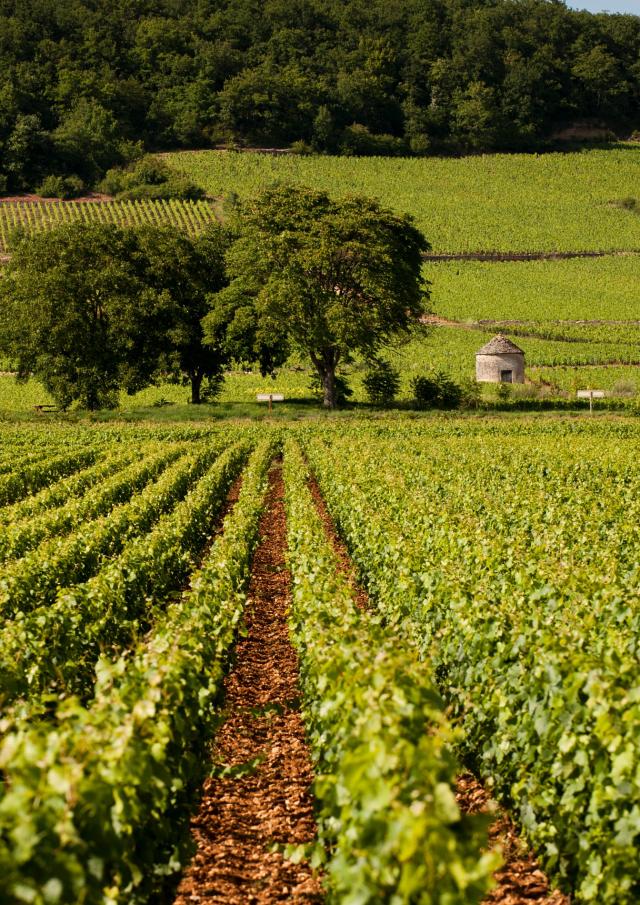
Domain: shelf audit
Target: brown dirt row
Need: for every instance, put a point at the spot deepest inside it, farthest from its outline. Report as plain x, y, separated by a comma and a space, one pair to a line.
499, 257
520, 881
92, 198
259, 792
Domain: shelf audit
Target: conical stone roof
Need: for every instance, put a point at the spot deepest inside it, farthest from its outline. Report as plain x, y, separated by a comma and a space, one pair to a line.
499, 345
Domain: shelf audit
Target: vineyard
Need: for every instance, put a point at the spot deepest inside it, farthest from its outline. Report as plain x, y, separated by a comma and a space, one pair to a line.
508, 203
496, 630
566, 315
37, 216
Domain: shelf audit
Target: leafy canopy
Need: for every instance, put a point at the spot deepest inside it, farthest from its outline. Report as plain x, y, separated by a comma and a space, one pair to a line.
330, 277
94, 309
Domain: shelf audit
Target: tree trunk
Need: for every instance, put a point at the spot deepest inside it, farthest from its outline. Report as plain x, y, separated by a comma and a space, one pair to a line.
329, 386
196, 384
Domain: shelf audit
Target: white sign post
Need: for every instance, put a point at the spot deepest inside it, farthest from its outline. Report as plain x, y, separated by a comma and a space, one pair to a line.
270, 398
590, 395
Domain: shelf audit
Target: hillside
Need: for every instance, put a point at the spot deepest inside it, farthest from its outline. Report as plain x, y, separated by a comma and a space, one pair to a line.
85, 84
578, 320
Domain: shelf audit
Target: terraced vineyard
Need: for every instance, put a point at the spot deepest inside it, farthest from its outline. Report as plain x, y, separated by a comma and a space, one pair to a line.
37, 216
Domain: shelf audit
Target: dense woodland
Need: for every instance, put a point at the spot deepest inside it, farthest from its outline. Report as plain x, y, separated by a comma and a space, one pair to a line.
85, 83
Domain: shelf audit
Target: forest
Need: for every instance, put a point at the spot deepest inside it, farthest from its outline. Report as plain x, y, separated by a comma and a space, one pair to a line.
86, 85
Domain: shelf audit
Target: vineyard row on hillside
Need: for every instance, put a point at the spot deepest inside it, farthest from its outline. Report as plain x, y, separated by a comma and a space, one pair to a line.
37, 216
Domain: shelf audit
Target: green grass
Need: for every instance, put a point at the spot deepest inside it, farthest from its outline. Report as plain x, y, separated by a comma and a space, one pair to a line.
616, 378
515, 202
450, 349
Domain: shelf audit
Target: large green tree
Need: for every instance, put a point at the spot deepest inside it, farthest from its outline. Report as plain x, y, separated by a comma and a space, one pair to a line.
91, 310
189, 270
330, 277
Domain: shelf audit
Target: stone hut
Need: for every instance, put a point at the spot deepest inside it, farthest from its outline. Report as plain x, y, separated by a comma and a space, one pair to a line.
500, 361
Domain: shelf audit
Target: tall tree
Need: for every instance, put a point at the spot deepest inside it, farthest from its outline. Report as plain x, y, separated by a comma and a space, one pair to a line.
333, 277
189, 270
77, 310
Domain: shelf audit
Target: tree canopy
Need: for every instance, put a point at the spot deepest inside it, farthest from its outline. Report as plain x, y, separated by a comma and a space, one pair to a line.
93, 310
328, 277
85, 83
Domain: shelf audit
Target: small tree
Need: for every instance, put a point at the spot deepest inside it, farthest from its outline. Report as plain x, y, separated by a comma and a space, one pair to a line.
330, 277
189, 270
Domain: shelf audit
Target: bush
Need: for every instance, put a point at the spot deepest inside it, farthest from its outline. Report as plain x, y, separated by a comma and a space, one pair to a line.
471, 394
381, 382
358, 141
147, 178
3, 185
64, 187
437, 390
301, 147
177, 187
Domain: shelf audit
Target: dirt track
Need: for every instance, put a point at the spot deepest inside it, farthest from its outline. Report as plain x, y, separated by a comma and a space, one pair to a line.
261, 793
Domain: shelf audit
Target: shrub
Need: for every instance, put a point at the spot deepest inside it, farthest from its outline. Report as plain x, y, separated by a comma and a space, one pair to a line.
358, 141
437, 390
148, 177
177, 187
381, 382
301, 147
471, 394
64, 187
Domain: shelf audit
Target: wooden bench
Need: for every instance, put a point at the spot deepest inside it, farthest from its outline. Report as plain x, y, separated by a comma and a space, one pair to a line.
40, 409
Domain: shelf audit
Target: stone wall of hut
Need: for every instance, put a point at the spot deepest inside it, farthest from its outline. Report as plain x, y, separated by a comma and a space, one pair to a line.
488, 367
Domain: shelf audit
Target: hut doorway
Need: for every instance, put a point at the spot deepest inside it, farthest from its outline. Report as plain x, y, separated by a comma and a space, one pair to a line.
506, 376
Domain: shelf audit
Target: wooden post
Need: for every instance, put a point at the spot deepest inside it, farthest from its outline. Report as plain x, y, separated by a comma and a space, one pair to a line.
270, 402
590, 395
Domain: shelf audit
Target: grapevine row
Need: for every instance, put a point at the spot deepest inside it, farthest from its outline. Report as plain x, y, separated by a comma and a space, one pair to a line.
56, 646
37, 216
521, 589
103, 816
33, 580
379, 736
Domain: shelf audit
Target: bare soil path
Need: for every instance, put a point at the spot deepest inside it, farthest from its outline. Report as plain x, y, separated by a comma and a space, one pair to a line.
499, 257
259, 793
521, 879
